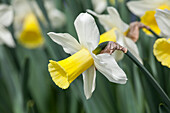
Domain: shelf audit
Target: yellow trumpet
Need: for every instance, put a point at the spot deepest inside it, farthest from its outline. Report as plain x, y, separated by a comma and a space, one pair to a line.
67, 70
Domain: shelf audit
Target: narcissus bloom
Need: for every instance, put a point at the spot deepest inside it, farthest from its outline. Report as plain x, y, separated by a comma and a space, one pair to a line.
83, 60
112, 22
145, 9
162, 45
6, 18
26, 24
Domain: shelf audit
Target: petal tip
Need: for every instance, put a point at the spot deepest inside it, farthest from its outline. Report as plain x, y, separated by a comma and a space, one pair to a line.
49, 33
88, 96
92, 12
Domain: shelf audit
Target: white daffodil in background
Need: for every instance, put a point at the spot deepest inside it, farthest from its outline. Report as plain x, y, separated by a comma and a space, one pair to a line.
162, 45
6, 18
100, 5
26, 24
82, 59
145, 9
112, 22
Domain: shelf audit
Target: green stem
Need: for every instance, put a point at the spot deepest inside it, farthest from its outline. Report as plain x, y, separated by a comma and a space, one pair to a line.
100, 47
157, 36
148, 75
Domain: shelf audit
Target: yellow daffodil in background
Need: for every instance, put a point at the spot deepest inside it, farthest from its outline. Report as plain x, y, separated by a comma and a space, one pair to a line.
31, 36
112, 22
83, 60
26, 24
162, 45
145, 9
6, 18
100, 5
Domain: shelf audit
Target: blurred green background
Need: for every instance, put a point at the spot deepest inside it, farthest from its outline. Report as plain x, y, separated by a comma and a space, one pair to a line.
26, 86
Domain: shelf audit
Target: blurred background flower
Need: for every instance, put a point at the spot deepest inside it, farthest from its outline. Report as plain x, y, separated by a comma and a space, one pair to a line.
100, 5
26, 24
6, 18
145, 9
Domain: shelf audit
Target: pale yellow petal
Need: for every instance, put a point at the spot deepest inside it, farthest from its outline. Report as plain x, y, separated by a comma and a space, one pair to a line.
161, 51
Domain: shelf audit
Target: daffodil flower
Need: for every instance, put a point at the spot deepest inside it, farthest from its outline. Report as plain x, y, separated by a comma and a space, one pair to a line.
145, 9
26, 24
112, 22
6, 18
83, 60
162, 45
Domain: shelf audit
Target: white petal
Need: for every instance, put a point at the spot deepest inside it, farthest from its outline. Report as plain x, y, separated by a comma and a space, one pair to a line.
87, 31
69, 43
6, 15
6, 37
89, 77
99, 5
116, 20
140, 7
132, 47
163, 21
105, 20
118, 55
107, 65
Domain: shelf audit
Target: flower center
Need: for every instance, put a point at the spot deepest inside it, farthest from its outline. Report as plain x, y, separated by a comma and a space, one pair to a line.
67, 70
31, 36
149, 19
